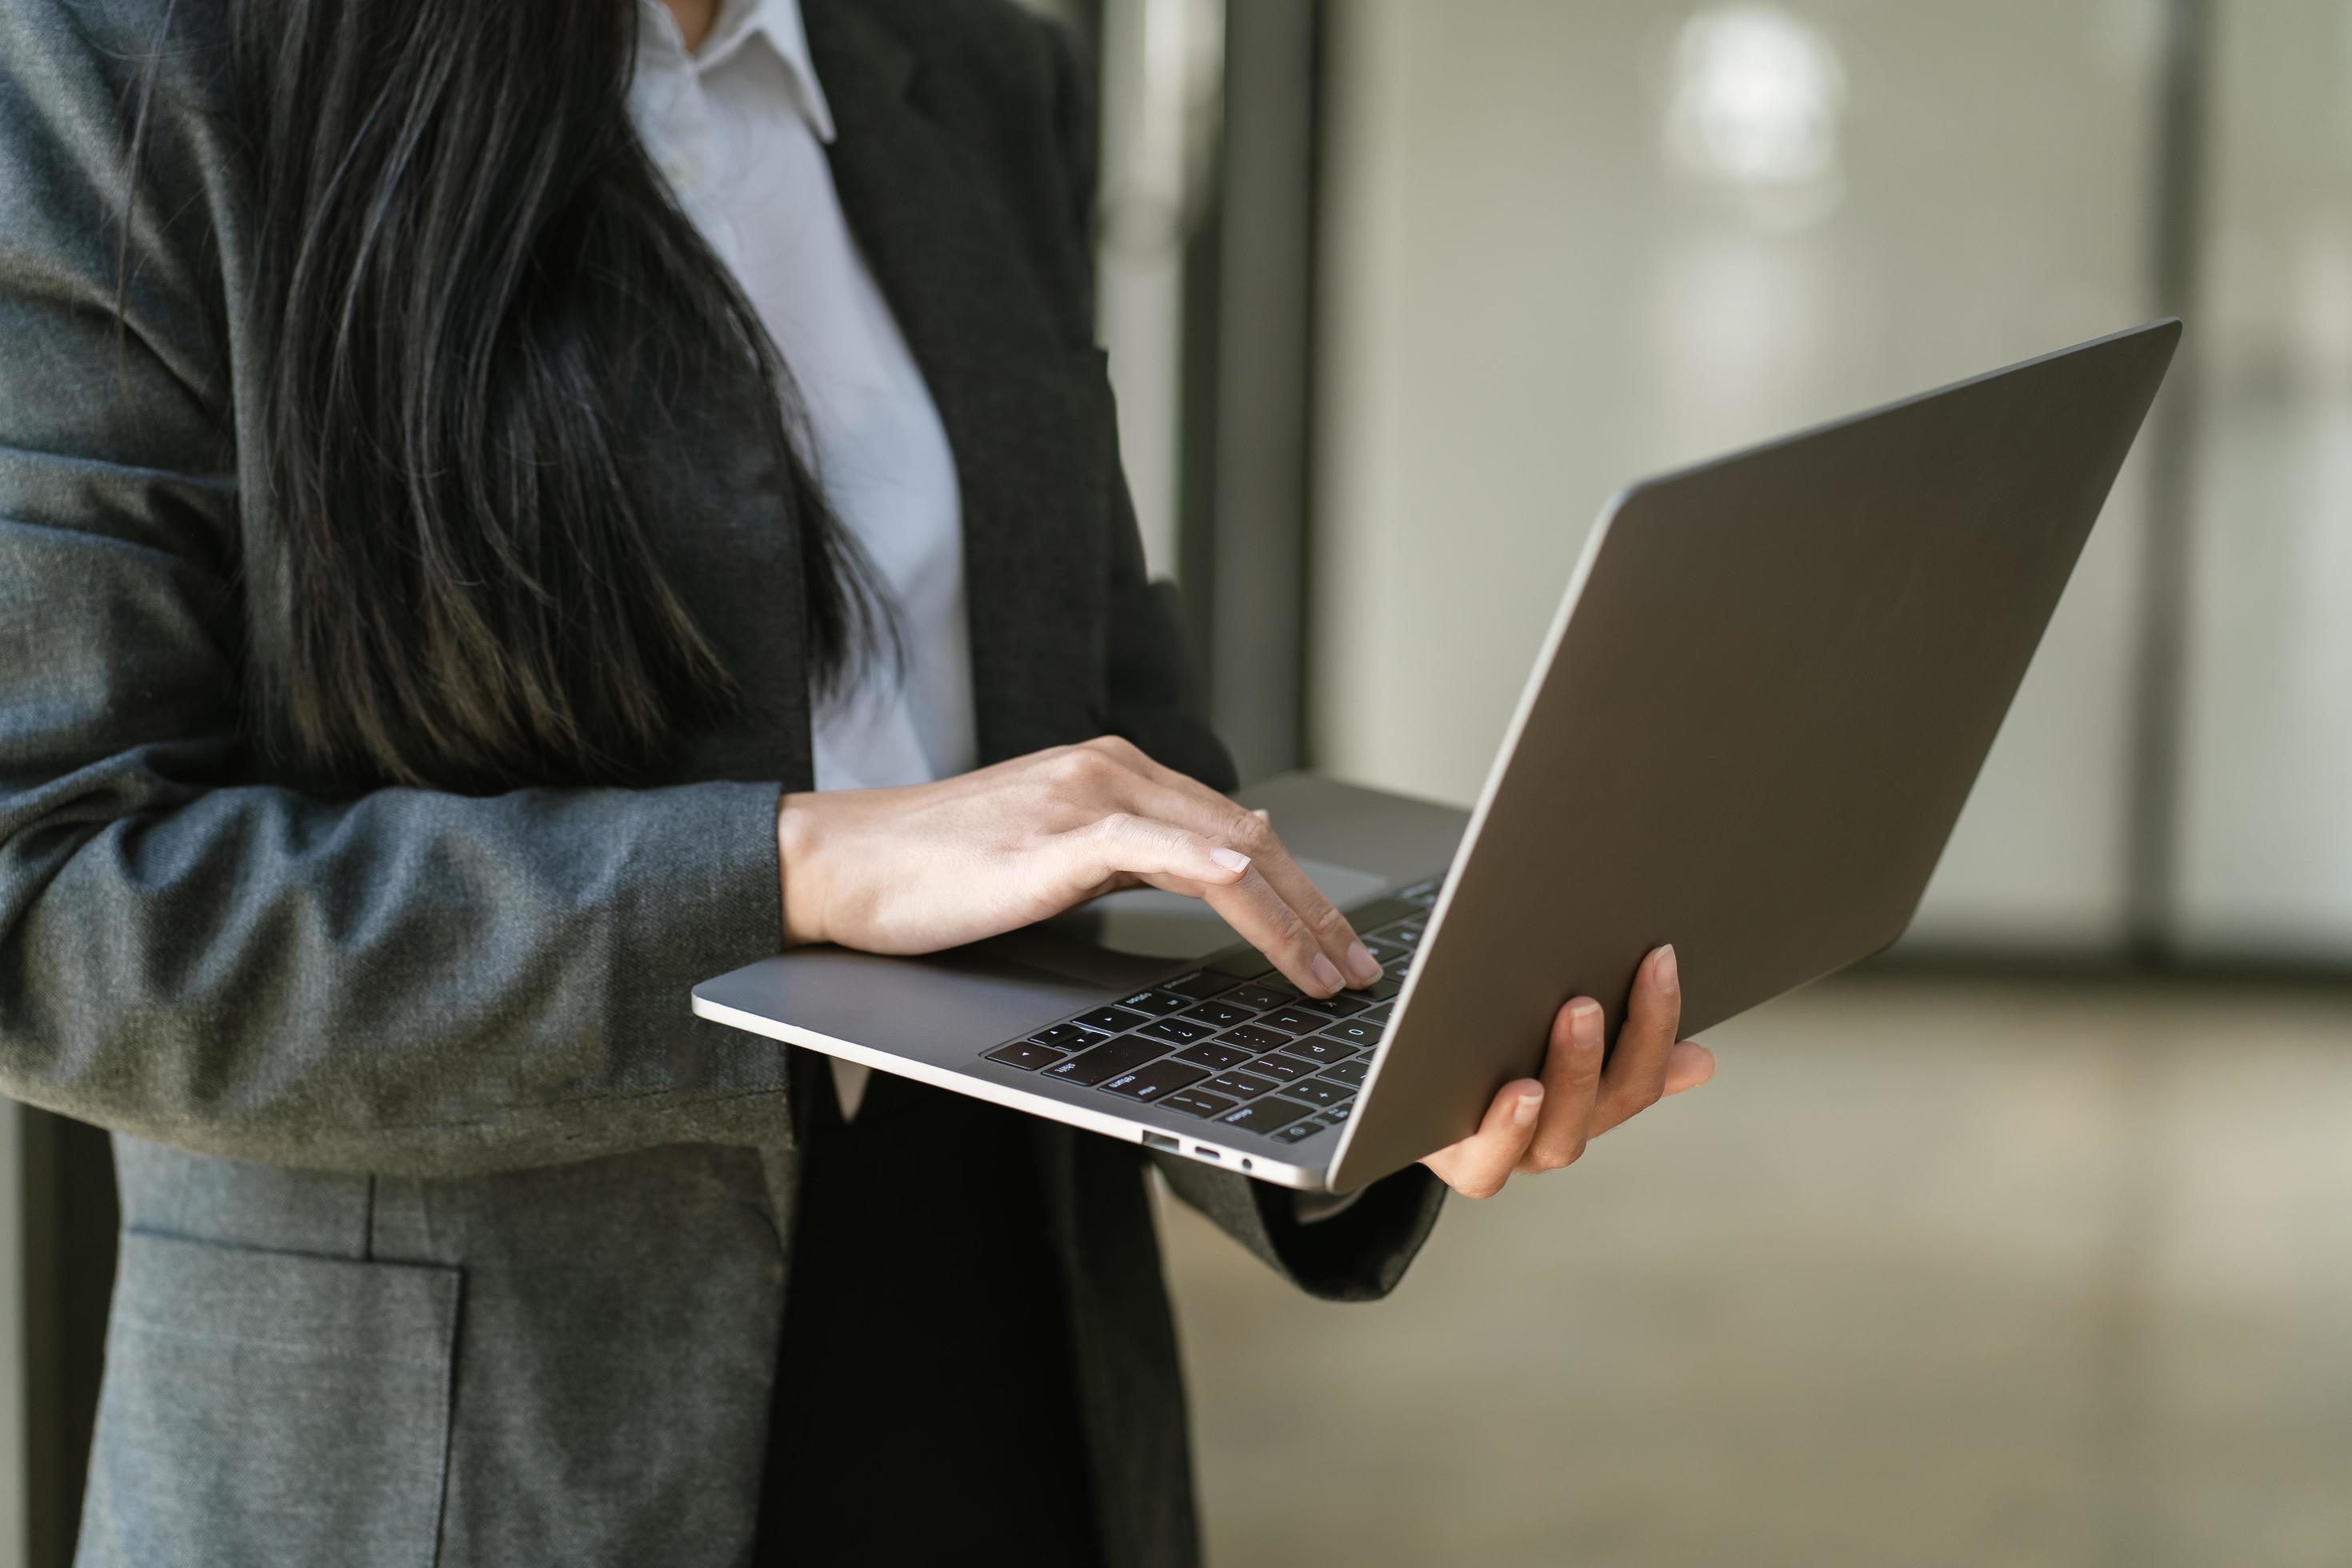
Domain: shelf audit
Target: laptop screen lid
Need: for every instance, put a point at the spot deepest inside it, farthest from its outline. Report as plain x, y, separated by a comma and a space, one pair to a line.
1756, 718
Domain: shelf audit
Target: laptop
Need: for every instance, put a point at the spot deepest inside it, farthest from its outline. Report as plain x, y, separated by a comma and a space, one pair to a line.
1767, 691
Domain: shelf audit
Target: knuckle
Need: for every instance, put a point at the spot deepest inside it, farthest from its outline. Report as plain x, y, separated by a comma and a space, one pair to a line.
1248, 832
1117, 748
1328, 922
1080, 770
1115, 825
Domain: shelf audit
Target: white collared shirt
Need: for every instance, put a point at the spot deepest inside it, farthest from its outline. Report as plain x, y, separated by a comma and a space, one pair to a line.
739, 129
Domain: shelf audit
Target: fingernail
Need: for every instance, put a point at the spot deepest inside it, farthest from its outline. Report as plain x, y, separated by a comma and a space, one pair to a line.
1670, 978
1523, 1114
1326, 973
1362, 964
1584, 1026
1231, 859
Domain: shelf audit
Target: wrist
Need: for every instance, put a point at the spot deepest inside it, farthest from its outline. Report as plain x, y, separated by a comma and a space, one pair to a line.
797, 862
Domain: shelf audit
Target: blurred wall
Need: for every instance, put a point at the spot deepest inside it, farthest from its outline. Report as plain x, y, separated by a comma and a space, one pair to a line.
1160, 63
1572, 244
2266, 858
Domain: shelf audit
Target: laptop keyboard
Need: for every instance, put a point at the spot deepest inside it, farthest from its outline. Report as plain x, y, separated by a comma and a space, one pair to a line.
1234, 1043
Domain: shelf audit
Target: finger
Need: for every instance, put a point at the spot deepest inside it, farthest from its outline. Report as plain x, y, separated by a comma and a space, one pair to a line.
1202, 809
1302, 931
1122, 844
1478, 1166
1572, 1078
1636, 1075
1262, 920
1688, 1066
1268, 923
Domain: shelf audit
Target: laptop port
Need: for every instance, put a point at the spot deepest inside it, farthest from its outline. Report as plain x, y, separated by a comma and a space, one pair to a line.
1162, 1140
1206, 1154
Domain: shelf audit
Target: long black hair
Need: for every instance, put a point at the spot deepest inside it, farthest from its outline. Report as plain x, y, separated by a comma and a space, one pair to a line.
466, 274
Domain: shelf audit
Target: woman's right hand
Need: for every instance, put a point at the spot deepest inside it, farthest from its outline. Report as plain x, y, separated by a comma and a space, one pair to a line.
933, 866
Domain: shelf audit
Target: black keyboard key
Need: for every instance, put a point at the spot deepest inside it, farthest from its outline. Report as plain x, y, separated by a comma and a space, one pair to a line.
1159, 1003
1257, 998
1220, 1014
1376, 1015
1124, 1055
1300, 1132
1214, 1055
1407, 936
1249, 1037
1356, 1031
1243, 1085
1282, 1066
1319, 1092
1268, 1115
1292, 1020
1346, 1005
1421, 893
1111, 1020
1352, 1073
1027, 1055
1068, 1038
1176, 1031
1386, 987
1321, 1048
1387, 951
1198, 987
1158, 1079
1337, 1116
1193, 1102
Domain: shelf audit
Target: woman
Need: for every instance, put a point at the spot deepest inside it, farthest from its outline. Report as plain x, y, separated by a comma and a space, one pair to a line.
513, 518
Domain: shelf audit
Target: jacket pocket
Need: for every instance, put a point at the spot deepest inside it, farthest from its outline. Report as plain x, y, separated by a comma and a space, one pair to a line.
268, 1407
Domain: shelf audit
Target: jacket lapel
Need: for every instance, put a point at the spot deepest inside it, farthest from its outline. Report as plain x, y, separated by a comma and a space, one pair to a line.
1026, 413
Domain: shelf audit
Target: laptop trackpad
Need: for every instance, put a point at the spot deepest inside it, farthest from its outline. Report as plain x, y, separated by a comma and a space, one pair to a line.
1150, 923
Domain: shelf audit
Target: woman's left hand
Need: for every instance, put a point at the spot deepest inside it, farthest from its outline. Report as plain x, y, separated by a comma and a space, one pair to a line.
1542, 1124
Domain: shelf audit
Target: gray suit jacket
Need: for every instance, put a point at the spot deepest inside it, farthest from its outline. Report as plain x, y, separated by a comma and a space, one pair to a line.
449, 1237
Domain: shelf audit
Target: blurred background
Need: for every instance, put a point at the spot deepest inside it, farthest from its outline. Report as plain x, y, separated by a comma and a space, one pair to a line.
2028, 1242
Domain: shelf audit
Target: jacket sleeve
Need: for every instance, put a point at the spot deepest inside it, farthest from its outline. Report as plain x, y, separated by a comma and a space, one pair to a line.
405, 981
1360, 1252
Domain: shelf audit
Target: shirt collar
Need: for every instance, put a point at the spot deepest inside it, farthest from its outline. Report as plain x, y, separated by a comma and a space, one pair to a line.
738, 23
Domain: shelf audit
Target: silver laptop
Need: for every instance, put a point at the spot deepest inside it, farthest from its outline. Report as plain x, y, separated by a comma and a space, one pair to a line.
1769, 686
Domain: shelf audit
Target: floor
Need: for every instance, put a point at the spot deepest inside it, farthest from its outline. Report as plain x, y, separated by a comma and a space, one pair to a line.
1935, 1272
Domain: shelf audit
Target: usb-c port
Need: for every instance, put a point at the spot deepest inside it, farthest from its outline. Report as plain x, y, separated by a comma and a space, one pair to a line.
1206, 1154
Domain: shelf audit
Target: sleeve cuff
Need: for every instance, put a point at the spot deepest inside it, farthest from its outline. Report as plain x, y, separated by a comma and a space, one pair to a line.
1314, 1208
